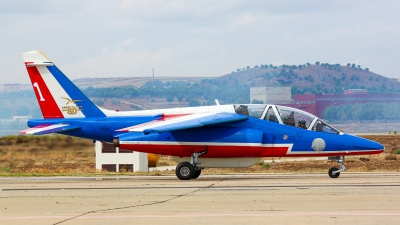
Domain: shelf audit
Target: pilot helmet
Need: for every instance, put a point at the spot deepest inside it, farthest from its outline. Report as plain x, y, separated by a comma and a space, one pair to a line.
319, 126
302, 121
286, 120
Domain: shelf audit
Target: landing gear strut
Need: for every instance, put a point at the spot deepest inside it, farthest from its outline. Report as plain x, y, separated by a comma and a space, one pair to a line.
335, 172
186, 170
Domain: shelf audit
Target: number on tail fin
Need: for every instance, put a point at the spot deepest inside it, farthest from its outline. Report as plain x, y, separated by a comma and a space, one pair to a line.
36, 85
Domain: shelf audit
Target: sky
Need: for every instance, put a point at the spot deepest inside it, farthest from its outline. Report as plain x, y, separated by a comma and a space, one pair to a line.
197, 38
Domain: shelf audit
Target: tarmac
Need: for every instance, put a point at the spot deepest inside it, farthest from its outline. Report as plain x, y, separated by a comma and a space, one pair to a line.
314, 198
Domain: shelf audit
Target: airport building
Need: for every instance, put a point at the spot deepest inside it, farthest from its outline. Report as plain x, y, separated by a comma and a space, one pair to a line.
273, 95
112, 159
316, 104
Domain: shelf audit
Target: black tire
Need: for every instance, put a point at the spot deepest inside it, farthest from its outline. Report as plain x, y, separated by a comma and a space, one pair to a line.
184, 171
331, 170
196, 174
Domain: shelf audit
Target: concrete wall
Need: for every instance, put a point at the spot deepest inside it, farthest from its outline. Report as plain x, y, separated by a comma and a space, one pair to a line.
119, 158
282, 95
258, 93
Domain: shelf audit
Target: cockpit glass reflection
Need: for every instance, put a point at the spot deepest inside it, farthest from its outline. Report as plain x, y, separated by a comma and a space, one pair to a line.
286, 115
295, 117
250, 110
322, 126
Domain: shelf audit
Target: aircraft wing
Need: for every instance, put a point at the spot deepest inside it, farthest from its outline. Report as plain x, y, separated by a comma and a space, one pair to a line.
184, 122
49, 128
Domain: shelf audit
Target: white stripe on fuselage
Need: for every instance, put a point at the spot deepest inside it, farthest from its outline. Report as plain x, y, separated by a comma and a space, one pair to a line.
289, 146
328, 152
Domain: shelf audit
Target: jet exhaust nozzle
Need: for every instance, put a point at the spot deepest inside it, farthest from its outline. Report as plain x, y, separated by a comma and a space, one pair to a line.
116, 142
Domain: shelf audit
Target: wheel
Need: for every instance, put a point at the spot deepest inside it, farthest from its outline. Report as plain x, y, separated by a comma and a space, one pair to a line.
184, 171
331, 170
196, 174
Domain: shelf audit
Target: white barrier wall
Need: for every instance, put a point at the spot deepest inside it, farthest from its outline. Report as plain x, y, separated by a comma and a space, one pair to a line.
114, 159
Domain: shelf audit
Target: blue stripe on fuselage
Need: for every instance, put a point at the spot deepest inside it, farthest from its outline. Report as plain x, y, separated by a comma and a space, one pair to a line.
89, 109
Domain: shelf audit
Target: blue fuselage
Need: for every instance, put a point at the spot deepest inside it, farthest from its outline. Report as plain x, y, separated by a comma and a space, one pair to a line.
251, 138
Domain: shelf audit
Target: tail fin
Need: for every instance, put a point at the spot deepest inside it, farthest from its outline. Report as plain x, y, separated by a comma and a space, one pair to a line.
58, 97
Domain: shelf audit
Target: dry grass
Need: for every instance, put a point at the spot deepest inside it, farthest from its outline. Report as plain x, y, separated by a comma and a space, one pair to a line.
390, 157
391, 142
166, 161
60, 155
45, 154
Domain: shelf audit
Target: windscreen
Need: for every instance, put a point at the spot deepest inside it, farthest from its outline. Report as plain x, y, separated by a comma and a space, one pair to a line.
298, 118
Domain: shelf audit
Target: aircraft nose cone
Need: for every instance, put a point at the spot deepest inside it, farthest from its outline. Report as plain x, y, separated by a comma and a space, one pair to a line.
360, 143
372, 145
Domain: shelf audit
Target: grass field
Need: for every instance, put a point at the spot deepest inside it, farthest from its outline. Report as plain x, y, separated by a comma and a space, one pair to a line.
67, 156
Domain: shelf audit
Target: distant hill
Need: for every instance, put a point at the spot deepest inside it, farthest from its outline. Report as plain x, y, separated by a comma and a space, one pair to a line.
133, 93
308, 78
322, 79
133, 81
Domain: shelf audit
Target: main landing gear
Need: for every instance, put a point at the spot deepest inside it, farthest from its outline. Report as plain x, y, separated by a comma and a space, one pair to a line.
335, 172
186, 170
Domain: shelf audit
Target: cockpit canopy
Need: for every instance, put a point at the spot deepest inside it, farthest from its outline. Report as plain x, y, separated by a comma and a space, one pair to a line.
286, 115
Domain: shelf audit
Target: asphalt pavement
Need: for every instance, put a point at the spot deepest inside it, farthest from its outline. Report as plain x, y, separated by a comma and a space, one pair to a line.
353, 198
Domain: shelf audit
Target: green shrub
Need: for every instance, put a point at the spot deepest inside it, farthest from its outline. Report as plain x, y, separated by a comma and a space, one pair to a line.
397, 151
5, 169
266, 165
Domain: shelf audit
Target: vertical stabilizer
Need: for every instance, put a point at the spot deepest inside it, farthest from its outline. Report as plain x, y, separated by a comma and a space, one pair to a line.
58, 97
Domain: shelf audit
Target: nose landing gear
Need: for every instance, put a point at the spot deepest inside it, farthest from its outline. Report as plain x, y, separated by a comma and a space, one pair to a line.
335, 172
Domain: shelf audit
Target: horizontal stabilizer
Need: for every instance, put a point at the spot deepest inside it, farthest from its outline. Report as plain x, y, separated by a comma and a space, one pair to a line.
49, 128
186, 122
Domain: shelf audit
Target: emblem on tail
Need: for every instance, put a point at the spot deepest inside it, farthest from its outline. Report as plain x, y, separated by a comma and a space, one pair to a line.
70, 100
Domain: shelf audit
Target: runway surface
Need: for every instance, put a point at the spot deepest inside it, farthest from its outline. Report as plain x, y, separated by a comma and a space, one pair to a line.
353, 198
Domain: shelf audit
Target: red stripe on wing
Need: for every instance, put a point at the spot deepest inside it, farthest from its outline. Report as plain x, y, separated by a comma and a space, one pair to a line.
164, 117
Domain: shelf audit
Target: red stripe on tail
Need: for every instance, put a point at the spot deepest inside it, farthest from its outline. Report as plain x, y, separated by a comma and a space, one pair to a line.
46, 101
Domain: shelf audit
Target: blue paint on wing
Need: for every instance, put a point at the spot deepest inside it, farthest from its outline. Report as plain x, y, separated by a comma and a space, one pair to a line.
219, 118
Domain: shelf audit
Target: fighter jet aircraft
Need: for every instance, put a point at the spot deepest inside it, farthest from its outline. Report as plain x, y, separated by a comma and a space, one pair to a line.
221, 136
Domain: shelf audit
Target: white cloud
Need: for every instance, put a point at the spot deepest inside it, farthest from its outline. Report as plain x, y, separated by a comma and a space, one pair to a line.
197, 38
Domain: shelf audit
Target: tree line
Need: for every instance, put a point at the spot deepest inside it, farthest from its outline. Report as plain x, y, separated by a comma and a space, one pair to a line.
362, 112
208, 90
